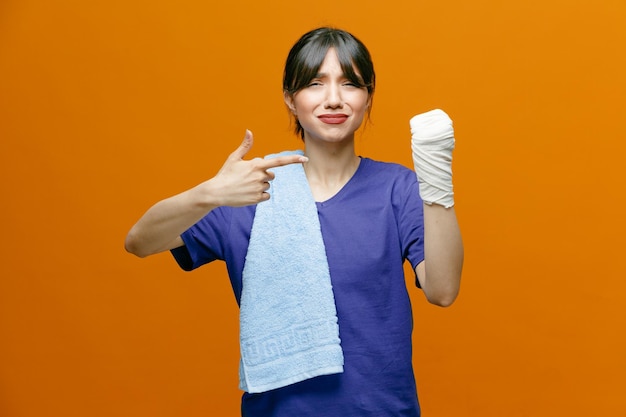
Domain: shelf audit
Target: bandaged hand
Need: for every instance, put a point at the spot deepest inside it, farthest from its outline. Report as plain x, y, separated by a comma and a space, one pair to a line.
432, 142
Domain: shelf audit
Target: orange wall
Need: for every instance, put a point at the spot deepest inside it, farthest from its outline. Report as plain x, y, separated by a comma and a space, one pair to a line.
108, 106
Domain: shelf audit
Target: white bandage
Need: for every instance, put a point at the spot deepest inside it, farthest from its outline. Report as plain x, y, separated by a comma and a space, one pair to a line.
432, 142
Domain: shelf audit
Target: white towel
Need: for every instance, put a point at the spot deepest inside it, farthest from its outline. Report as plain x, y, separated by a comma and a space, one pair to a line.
288, 319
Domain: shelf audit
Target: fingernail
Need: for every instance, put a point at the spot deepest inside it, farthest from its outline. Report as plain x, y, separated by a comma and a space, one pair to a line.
304, 159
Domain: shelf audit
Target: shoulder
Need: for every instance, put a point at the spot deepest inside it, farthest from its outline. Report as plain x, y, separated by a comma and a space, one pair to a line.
391, 182
383, 166
387, 171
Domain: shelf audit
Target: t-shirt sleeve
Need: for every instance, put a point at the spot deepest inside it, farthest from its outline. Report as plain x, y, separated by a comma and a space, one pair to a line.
411, 221
182, 257
204, 241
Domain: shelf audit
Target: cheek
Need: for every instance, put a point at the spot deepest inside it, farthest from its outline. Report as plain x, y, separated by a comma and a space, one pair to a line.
363, 106
305, 100
361, 100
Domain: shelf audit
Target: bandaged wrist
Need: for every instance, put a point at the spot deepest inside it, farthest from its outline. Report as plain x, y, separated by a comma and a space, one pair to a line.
432, 142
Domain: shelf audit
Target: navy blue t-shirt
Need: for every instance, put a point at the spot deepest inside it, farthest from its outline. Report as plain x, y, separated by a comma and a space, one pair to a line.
370, 227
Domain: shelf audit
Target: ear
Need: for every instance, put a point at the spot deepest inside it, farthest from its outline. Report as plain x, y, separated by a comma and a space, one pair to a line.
289, 101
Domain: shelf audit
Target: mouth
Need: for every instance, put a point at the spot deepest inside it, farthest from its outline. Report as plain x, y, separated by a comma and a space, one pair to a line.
333, 119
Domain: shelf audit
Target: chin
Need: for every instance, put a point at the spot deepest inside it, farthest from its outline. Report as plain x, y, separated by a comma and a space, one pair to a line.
331, 137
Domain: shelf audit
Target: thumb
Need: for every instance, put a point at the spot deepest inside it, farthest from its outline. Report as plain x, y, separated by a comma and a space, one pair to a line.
244, 148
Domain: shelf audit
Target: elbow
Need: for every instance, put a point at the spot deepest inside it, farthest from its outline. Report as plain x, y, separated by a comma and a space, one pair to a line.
442, 298
132, 246
442, 290
442, 301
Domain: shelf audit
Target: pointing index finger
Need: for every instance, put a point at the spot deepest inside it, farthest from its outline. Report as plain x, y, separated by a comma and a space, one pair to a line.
280, 161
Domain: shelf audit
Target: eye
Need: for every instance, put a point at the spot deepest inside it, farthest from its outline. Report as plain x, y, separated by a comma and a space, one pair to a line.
314, 83
351, 84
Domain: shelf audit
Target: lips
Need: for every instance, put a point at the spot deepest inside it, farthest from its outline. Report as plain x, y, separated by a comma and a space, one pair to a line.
333, 119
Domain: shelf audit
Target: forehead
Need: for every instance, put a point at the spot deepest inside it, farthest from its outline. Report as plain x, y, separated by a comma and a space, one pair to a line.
332, 64
331, 61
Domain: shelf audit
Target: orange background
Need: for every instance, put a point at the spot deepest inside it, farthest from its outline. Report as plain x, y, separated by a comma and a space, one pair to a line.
108, 106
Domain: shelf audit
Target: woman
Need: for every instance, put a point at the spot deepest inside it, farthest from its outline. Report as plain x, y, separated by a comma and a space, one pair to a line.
372, 219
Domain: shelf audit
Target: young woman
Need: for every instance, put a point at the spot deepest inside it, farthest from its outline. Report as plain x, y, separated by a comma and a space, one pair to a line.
372, 219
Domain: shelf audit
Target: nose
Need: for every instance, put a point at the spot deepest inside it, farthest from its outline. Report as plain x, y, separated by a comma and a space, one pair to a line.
333, 96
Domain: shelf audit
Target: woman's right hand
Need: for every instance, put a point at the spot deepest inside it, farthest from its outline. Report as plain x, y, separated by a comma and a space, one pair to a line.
244, 182
238, 183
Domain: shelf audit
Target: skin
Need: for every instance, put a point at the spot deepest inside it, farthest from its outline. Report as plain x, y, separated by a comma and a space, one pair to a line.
333, 161
330, 147
238, 183
330, 109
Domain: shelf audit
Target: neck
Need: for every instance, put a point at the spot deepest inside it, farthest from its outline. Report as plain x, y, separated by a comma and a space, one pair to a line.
329, 168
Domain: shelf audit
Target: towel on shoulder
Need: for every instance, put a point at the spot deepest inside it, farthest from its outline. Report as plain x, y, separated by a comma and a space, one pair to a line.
288, 319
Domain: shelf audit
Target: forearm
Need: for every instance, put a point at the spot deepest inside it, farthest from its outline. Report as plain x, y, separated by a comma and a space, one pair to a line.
440, 273
432, 143
238, 183
159, 229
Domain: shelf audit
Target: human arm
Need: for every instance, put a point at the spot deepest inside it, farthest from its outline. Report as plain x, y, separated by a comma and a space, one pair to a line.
439, 274
238, 183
